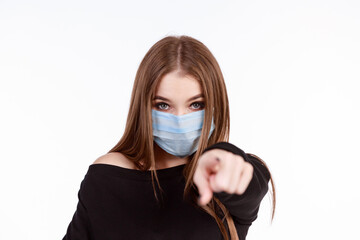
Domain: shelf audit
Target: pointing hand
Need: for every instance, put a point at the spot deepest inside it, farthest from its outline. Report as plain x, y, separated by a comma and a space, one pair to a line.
220, 170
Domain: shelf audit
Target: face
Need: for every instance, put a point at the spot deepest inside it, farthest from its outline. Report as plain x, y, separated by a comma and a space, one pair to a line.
178, 95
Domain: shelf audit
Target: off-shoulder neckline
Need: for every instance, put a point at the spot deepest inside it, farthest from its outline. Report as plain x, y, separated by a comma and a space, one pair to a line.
118, 171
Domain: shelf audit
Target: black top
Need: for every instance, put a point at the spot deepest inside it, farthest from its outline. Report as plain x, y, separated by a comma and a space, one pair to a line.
119, 203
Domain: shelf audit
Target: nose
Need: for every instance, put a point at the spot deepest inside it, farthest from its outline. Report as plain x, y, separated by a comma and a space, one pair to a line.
180, 112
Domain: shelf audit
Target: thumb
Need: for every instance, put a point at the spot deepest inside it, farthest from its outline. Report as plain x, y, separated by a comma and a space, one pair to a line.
205, 191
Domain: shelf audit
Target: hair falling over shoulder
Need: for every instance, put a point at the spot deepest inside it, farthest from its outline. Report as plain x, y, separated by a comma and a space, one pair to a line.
190, 57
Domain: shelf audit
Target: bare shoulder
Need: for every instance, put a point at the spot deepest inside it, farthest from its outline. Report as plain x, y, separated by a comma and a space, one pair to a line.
115, 158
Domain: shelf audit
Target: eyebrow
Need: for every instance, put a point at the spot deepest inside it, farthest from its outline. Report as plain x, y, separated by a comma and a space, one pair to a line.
192, 98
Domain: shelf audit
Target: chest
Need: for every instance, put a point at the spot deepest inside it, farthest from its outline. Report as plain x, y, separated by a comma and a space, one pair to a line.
136, 214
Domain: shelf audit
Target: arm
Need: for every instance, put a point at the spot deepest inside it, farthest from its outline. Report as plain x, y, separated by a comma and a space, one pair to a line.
244, 207
79, 227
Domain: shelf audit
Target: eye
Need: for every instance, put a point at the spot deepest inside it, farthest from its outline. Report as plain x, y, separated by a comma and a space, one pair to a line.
158, 105
198, 105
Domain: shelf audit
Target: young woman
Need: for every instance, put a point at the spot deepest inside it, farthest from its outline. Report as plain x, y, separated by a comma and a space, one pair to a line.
173, 174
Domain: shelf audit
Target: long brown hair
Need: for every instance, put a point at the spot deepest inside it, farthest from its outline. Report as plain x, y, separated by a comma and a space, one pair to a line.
190, 57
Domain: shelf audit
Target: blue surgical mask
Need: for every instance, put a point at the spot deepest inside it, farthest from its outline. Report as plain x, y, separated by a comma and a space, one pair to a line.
178, 135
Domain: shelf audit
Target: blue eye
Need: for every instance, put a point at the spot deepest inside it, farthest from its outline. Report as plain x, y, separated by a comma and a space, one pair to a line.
200, 104
165, 106
160, 104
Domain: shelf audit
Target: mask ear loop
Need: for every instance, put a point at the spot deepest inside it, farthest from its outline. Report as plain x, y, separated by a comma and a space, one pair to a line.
212, 119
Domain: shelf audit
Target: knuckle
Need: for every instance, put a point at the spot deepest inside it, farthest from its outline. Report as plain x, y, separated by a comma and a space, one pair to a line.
248, 166
240, 157
240, 191
251, 168
232, 189
222, 185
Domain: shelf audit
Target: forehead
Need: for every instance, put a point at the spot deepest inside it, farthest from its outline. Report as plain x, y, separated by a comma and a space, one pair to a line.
174, 83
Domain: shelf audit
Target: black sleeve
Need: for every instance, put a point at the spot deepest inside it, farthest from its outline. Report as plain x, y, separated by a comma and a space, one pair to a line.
79, 227
244, 208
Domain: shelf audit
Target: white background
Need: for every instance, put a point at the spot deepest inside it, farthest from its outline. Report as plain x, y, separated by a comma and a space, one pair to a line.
291, 70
